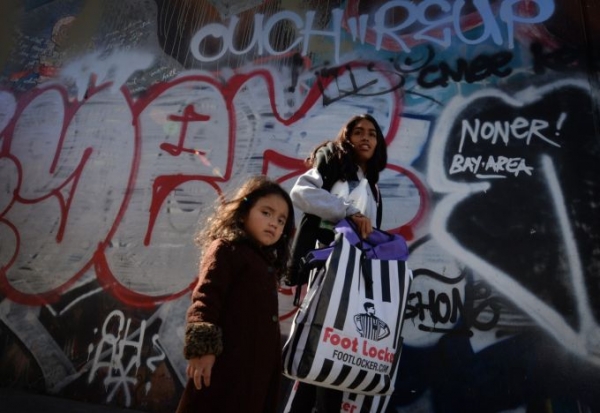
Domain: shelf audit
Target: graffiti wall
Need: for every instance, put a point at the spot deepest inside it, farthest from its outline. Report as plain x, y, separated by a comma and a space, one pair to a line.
121, 122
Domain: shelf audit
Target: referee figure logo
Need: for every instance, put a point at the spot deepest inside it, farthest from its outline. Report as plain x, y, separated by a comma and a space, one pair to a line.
369, 326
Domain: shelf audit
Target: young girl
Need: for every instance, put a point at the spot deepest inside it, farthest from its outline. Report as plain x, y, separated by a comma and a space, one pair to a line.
232, 338
359, 152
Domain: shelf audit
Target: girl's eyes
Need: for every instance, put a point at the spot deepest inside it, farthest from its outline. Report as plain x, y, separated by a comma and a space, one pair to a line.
359, 132
268, 214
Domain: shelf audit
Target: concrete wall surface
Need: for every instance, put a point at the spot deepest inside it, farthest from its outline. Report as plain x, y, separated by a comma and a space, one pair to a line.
121, 122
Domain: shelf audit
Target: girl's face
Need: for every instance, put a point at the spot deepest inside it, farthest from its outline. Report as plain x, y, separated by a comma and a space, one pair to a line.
266, 219
364, 141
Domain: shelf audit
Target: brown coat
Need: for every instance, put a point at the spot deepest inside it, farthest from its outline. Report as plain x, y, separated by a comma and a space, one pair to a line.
236, 296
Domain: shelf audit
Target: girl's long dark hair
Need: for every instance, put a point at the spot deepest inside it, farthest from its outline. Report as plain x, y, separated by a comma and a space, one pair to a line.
226, 222
343, 151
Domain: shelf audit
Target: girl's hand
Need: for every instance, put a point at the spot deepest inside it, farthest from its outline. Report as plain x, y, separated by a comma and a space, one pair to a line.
363, 224
200, 368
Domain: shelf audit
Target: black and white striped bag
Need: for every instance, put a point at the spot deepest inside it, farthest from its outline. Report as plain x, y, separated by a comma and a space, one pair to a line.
346, 334
350, 402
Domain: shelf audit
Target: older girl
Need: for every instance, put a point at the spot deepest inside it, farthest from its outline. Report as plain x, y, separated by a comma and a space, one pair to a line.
358, 153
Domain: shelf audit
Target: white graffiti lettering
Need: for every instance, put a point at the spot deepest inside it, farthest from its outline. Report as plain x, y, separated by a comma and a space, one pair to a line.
510, 165
261, 36
499, 165
436, 31
124, 354
464, 164
494, 131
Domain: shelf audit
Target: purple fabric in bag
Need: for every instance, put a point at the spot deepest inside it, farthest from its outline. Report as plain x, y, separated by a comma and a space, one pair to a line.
379, 244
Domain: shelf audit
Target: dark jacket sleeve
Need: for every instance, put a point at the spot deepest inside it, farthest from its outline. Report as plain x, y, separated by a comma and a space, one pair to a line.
203, 334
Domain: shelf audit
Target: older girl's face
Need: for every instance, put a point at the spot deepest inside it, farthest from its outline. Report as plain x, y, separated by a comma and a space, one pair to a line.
363, 139
266, 219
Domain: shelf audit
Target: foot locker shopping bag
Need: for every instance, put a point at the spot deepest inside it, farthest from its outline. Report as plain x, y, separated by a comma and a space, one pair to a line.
346, 334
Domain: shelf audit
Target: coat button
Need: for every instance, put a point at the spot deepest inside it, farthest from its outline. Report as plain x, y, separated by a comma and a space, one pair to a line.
275, 318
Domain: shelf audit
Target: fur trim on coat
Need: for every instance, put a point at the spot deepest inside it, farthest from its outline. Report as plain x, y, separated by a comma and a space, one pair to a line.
201, 339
